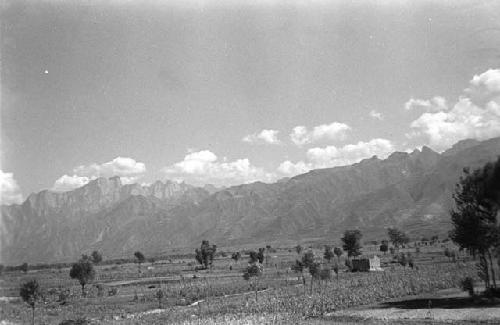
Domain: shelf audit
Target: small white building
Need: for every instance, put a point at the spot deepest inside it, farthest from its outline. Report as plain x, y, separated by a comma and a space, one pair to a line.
375, 264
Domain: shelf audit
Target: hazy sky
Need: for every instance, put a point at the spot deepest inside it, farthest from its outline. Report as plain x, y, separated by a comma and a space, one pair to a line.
227, 92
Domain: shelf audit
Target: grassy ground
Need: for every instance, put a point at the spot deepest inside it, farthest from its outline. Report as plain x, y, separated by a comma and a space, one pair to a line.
221, 295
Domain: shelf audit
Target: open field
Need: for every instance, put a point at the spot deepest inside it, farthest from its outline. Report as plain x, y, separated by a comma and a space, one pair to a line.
221, 295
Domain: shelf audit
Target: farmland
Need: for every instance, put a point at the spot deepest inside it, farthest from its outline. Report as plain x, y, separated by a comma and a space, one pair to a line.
120, 294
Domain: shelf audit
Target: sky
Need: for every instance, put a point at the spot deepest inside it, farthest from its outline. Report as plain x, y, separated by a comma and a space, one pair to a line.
230, 92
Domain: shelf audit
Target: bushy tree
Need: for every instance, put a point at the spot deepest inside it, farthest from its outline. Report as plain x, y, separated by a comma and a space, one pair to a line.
159, 295
253, 271
139, 258
205, 254
298, 249
83, 271
96, 257
328, 254
338, 251
308, 258
474, 217
24, 267
30, 292
260, 255
253, 257
298, 267
397, 237
315, 272
236, 256
352, 242
384, 247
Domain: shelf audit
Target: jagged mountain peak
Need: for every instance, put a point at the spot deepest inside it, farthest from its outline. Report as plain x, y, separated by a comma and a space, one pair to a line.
370, 195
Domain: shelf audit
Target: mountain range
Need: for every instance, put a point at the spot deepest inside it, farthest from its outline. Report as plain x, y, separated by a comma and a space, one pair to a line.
412, 191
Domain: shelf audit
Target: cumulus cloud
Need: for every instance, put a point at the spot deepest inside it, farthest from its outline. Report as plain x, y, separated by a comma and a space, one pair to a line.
435, 104
120, 166
476, 114
289, 168
376, 115
204, 167
10, 192
334, 131
332, 156
128, 169
68, 183
264, 136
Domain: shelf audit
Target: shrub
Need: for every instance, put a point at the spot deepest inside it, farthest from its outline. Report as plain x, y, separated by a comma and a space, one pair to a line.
467, 284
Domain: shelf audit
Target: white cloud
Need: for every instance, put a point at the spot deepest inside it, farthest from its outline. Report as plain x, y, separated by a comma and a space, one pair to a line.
120, 166
264, 136
203, 167
68, 183
10, 192
485, 87
290, 169
332, 156
334, 131
435, 104
376, 115
127, 169
476, 115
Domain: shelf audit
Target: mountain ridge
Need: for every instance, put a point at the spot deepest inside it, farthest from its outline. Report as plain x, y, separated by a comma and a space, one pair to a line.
408, 190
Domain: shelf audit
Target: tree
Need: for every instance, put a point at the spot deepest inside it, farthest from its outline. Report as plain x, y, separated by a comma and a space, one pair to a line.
474, 218
30, 292
298, 267
24, 267
298, 249
205, 254
352, 242
236, 256
83, 271
159, 295
384, 247
96, 257
139, 258
338, 251
397, 237
253, 271
315, 272
253, 257
308, 258
336, 270
260, 255
328, 253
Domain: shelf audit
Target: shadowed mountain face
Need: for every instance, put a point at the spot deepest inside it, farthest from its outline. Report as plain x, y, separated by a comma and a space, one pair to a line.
409, 190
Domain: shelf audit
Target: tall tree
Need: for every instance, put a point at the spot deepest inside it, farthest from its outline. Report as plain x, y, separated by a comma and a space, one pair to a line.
139, 258
205, 254
328, 253
384, 247
397, 237
30, 292
253, 271
475, 215
96, 257
338, 251
83, 271
352, 242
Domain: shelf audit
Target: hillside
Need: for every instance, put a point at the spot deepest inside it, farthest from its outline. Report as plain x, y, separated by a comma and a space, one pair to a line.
409, 190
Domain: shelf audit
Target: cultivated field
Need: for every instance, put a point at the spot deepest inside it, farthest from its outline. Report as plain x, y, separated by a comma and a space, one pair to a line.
122, 295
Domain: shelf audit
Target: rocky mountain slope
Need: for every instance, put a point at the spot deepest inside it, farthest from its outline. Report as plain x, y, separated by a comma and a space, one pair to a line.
409, 190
